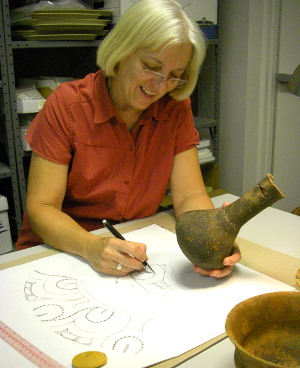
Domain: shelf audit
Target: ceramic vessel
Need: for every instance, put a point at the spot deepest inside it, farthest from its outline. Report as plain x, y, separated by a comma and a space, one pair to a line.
265, 330
206, 237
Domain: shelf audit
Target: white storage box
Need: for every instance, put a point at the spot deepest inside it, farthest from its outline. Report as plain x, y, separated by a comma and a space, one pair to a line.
45, 85
5, 236
29, 100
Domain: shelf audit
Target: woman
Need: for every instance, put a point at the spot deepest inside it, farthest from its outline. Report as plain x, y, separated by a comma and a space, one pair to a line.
107, 146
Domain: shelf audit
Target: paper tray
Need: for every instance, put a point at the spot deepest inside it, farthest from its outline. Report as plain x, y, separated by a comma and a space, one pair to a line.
69, 25
63, 14
32, 35
72, 13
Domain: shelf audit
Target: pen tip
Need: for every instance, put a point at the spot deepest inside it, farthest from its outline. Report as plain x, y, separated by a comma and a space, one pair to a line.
150, 268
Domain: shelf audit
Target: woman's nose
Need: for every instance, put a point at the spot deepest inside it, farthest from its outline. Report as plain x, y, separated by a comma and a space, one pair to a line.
162, 85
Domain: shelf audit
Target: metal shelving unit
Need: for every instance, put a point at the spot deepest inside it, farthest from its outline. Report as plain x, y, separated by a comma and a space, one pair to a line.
14, 51
8, 168
206, 97
52, 44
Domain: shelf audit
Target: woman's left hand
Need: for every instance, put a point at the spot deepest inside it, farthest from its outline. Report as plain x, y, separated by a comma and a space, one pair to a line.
228, 262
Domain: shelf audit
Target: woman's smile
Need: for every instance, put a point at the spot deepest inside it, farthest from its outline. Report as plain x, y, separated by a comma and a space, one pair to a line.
147, 92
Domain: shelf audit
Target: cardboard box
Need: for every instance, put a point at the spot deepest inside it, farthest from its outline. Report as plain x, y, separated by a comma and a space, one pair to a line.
5, 236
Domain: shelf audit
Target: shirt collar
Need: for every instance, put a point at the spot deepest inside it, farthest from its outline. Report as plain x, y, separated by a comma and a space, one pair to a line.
157, 110
105, 110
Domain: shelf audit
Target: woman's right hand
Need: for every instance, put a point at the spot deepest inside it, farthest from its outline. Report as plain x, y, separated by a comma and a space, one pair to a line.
105, 254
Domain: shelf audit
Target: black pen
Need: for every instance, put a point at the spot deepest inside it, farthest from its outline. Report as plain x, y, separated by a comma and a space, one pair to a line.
115, 232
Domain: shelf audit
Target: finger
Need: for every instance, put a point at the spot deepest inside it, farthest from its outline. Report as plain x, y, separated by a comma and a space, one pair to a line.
124, 252
121, 270
235, 256
104, 258
132, 249
201, 271
225, 271
112, 268
225, 204
128, 262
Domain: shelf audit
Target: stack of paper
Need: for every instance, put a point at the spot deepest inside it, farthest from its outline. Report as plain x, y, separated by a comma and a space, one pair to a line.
61, 24
204, 151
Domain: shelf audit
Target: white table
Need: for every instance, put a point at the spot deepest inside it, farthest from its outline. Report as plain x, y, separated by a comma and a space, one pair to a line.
275, 229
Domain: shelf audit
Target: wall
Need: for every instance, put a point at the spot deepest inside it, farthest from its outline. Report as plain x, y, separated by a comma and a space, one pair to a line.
234, 55
254, 109
286, 155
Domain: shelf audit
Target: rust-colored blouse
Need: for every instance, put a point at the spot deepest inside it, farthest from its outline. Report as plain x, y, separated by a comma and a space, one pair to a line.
113, 173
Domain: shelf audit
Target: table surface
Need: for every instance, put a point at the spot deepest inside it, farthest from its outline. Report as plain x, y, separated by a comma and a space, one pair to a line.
275, 229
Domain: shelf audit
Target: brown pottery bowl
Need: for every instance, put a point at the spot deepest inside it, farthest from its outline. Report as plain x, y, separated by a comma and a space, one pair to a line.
265, 330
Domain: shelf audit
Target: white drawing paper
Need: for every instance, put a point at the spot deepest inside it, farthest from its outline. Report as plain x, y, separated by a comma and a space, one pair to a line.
62, 306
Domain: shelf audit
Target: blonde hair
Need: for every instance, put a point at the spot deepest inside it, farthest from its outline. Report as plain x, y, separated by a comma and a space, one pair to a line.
150, 24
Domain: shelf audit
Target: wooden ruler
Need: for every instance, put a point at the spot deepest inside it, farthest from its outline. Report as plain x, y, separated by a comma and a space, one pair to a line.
29, 351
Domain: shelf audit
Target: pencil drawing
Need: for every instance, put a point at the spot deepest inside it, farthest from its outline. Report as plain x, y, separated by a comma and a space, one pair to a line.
65, 305
162, 279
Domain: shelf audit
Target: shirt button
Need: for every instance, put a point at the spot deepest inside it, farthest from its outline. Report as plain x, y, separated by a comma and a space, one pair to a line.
130, 147
126, 181
118, 214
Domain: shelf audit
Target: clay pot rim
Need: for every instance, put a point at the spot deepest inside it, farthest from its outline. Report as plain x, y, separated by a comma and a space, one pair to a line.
237, 345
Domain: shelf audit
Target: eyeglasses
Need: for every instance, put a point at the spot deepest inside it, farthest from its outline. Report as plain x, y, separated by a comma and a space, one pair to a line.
159, 78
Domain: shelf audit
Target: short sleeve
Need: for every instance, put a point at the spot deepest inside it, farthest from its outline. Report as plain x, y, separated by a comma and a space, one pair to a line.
49, 134
187, 135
